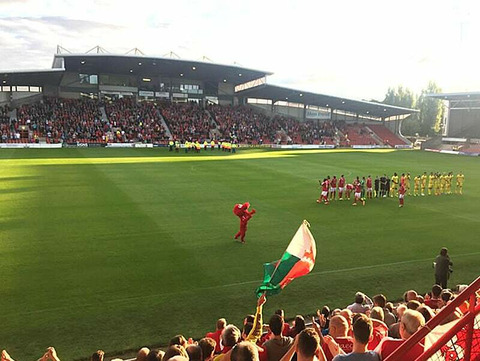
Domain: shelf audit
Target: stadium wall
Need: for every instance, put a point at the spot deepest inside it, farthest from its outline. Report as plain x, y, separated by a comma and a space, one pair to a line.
464, 122
4, 97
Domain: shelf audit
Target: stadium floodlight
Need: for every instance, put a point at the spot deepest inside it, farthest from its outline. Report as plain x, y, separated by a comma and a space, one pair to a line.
194, 68
181, 74
83, 62
139, 64
131, 70
147, 79
224, 80
239, 74
301, 94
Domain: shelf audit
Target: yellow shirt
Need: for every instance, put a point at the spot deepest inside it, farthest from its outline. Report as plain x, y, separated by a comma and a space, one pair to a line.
460, 179
424, 179
417, 181
394, 180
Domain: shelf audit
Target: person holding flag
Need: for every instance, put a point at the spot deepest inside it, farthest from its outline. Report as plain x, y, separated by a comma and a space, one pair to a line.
298, 260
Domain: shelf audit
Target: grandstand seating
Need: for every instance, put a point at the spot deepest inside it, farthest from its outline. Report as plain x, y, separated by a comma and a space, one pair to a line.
473, 148
187, 121
357, 134
386, 135
55, 120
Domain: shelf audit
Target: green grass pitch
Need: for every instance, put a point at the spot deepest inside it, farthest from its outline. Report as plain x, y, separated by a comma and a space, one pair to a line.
115, 249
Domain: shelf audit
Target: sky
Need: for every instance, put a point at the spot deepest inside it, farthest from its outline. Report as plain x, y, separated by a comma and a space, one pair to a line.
350, 48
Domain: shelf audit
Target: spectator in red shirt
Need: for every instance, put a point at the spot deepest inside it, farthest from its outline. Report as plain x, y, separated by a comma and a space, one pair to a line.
410, 323
434, 301
338, 331
221, 324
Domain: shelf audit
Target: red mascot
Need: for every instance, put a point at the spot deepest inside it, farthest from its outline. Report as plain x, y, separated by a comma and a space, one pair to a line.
242, 212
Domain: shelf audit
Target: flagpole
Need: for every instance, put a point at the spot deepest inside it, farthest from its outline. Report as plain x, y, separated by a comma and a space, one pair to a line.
305, 222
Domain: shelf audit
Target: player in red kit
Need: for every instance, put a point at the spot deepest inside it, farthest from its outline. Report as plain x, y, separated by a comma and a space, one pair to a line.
348, 190
324, 195
341, 187
358, 194
401, 195
333, 188
369, 187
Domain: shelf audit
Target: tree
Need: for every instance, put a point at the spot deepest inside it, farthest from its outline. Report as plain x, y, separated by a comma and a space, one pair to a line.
407, 99
429, 118
431, 110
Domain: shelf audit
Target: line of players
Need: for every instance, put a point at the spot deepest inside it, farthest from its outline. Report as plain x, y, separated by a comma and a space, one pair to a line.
388, 187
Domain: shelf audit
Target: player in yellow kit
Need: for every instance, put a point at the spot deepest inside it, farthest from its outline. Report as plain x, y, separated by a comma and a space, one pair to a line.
443, 183
393, 185
416, 185
448, 189
407, 179
431, 183
437, 184
424, 182
460, 180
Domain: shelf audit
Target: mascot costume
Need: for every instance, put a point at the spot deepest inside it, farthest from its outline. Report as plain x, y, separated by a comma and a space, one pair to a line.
242, 212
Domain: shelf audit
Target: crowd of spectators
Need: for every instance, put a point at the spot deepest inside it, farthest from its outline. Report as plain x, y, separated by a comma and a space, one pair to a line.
187, 121
7, 132
244, 125
371, 327
126, 120
129, 121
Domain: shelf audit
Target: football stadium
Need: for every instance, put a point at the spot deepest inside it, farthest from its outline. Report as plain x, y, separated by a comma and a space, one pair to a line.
119, 177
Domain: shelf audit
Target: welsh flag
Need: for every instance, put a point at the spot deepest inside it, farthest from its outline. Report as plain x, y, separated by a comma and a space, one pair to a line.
298, 260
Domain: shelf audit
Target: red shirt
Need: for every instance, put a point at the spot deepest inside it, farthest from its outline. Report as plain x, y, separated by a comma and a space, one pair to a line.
380, 331
388, 345
349, 186
369, 182
401, 190
216, 336
345, 343
358, 188
433, 303
325, 186
334, 183
341, 182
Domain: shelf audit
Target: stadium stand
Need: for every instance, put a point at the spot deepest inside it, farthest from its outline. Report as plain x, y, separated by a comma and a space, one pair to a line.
244, 125
451, 332
124, 120
128, 121
357, 134
386, 135
187, 121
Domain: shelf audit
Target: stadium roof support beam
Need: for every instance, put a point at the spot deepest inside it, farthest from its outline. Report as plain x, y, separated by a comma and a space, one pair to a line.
360, 108
98, 49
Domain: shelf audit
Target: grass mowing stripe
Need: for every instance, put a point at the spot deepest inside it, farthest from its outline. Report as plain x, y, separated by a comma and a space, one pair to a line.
258, 281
